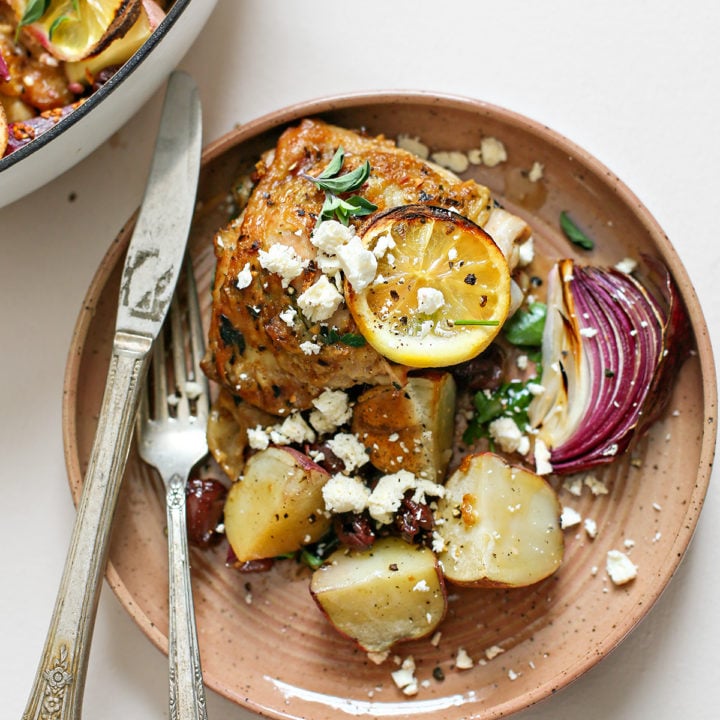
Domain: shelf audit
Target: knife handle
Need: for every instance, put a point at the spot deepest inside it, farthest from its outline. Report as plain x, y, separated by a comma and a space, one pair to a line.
60, 680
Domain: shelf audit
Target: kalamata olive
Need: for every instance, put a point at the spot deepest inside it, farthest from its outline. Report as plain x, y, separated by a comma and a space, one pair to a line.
205, 499
354, 531
413, 517
328, 461
484, 372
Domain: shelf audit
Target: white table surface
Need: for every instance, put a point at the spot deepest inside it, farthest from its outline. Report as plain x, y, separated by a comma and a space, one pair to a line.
635, 83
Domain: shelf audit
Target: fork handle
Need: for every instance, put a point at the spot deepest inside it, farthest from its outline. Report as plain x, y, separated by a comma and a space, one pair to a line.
187, 694
60, 680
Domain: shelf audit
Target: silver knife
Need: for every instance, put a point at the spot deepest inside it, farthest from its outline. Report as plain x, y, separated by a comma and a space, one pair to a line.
151, 270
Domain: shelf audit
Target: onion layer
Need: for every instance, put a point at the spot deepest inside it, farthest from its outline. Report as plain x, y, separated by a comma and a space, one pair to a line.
610, 347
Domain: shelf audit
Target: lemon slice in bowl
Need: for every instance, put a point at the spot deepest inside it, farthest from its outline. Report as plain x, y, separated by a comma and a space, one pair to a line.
442, 288
75, 29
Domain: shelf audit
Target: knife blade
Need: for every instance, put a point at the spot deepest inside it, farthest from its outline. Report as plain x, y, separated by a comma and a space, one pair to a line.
150, 273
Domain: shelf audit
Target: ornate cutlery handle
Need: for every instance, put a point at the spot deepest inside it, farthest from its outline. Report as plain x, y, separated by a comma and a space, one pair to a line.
60, 680
187, 694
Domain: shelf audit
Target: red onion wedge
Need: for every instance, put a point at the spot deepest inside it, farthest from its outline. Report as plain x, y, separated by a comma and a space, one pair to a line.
610, 349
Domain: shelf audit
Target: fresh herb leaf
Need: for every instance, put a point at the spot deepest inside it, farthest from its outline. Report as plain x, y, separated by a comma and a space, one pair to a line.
56, 22
329, 180
34, 10
335, 208
486, 323
311, 560
509, 400
347, 182
573, 233
526, 327
335, 165
331, 336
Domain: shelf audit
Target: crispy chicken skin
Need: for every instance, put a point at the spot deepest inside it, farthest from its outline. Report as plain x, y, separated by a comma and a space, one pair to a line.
253, 352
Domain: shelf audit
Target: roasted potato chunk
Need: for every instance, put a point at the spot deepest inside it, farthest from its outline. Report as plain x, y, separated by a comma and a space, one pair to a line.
500, 524
410, 427
277, 506
391, 592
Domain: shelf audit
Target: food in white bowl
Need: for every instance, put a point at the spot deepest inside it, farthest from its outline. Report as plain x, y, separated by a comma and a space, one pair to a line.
72, 71
395, 384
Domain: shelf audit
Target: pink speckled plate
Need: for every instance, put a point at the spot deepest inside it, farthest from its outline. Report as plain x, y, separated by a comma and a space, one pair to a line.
264, 644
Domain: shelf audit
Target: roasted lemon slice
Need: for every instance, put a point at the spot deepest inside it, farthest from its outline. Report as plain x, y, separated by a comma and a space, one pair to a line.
442, 288
75, 29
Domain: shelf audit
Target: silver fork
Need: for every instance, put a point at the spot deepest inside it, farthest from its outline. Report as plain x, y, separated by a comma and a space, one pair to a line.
171, 437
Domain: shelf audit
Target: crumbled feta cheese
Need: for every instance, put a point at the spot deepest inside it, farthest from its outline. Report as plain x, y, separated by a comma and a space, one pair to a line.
283, 260
590, 527
493, 651
295, 429
388, 493
438, 542
451, 159
512, 675
288, 315
626, 265
358, 264
535, 388
383, 244
597, 487
629, 543
330, 235
463, 661
493, 151
574, 486
244, 278
526, 252
332, 409
345, 494
536, 172
258, 439
310, 348
588, 332
404, 678
542, 458
569, 518
429, 300
522, 362
320, 300
413, 145
421, 586
505, 432
349, 449
620, 568
328, 264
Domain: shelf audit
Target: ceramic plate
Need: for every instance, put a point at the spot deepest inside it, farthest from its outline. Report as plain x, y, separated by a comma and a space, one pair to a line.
264, 643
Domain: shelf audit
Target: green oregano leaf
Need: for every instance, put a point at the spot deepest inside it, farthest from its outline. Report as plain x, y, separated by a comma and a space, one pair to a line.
56, 22
526, 327
335, 165
573, 233
34, 10
330, 180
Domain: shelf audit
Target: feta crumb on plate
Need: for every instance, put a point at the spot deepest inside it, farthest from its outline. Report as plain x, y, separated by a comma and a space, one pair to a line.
620, 568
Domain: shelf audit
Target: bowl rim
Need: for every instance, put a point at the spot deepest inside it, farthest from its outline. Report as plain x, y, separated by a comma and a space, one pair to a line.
125, 71
326, 105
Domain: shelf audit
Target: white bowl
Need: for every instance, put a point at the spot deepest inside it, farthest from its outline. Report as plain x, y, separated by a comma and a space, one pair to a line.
106, 110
